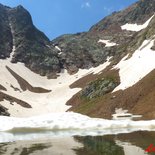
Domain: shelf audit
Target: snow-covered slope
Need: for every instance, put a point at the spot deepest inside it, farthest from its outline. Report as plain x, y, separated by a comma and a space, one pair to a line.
138, 66
52, 100
136, 27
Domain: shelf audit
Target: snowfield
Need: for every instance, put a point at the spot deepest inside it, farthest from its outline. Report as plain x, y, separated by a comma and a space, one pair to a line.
42, 103
136, 27
138, 66
65, 124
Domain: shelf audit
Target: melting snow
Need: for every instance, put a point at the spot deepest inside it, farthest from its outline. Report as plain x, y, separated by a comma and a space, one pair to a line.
65, 124
138, 66
13, 41
136, 27
121, 114
58, 48
107, 42
129, 148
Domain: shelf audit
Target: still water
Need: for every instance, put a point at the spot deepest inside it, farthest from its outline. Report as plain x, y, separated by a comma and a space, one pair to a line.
121, 144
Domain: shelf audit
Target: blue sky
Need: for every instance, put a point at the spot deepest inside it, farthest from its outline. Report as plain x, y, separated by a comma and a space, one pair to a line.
57, 17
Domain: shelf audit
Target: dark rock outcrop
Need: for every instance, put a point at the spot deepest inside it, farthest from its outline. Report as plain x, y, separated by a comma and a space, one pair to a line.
4, 111
32, 47
81, 51
5, 33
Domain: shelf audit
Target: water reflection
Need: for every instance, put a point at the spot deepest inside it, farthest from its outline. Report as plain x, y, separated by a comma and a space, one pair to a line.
98, 146
55, 146
21, 149
129, 148
123, 144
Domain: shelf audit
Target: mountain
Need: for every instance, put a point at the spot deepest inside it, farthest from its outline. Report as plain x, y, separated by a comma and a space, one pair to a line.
107, 70
31, 46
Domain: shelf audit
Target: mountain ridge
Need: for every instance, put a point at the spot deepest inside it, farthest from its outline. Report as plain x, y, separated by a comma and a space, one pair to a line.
94, 72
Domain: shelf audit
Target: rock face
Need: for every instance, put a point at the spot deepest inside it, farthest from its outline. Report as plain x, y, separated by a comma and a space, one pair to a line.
81, 50
6, 37
4, 111
31, 46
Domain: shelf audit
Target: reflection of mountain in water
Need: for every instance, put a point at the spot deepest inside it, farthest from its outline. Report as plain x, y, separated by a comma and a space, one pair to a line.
123, 144
139, 139
16, 149
41, 147
99, 146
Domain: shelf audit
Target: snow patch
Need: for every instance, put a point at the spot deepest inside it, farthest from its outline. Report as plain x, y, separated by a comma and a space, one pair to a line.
13, 41
129, 148
107, 42
65, 124
58, 48
138, 66
59, 53
121, 114
136, 27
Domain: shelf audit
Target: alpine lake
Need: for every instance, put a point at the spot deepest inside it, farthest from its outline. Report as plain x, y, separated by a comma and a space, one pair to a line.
134, 143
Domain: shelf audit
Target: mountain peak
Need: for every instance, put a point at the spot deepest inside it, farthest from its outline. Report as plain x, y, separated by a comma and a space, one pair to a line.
4, 6
20, 8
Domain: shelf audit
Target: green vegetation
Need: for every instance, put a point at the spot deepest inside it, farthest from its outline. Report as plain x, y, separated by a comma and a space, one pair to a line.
98, 88
98, 146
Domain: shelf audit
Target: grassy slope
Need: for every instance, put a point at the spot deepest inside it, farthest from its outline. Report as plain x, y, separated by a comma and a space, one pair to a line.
138, 99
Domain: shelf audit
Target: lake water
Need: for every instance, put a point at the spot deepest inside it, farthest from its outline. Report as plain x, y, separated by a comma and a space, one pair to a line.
122, 144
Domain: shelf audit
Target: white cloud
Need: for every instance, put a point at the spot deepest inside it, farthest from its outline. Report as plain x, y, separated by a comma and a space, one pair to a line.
86, 5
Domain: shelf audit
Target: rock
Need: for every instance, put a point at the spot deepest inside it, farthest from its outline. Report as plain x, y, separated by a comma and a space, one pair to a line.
4, 111
32, 47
